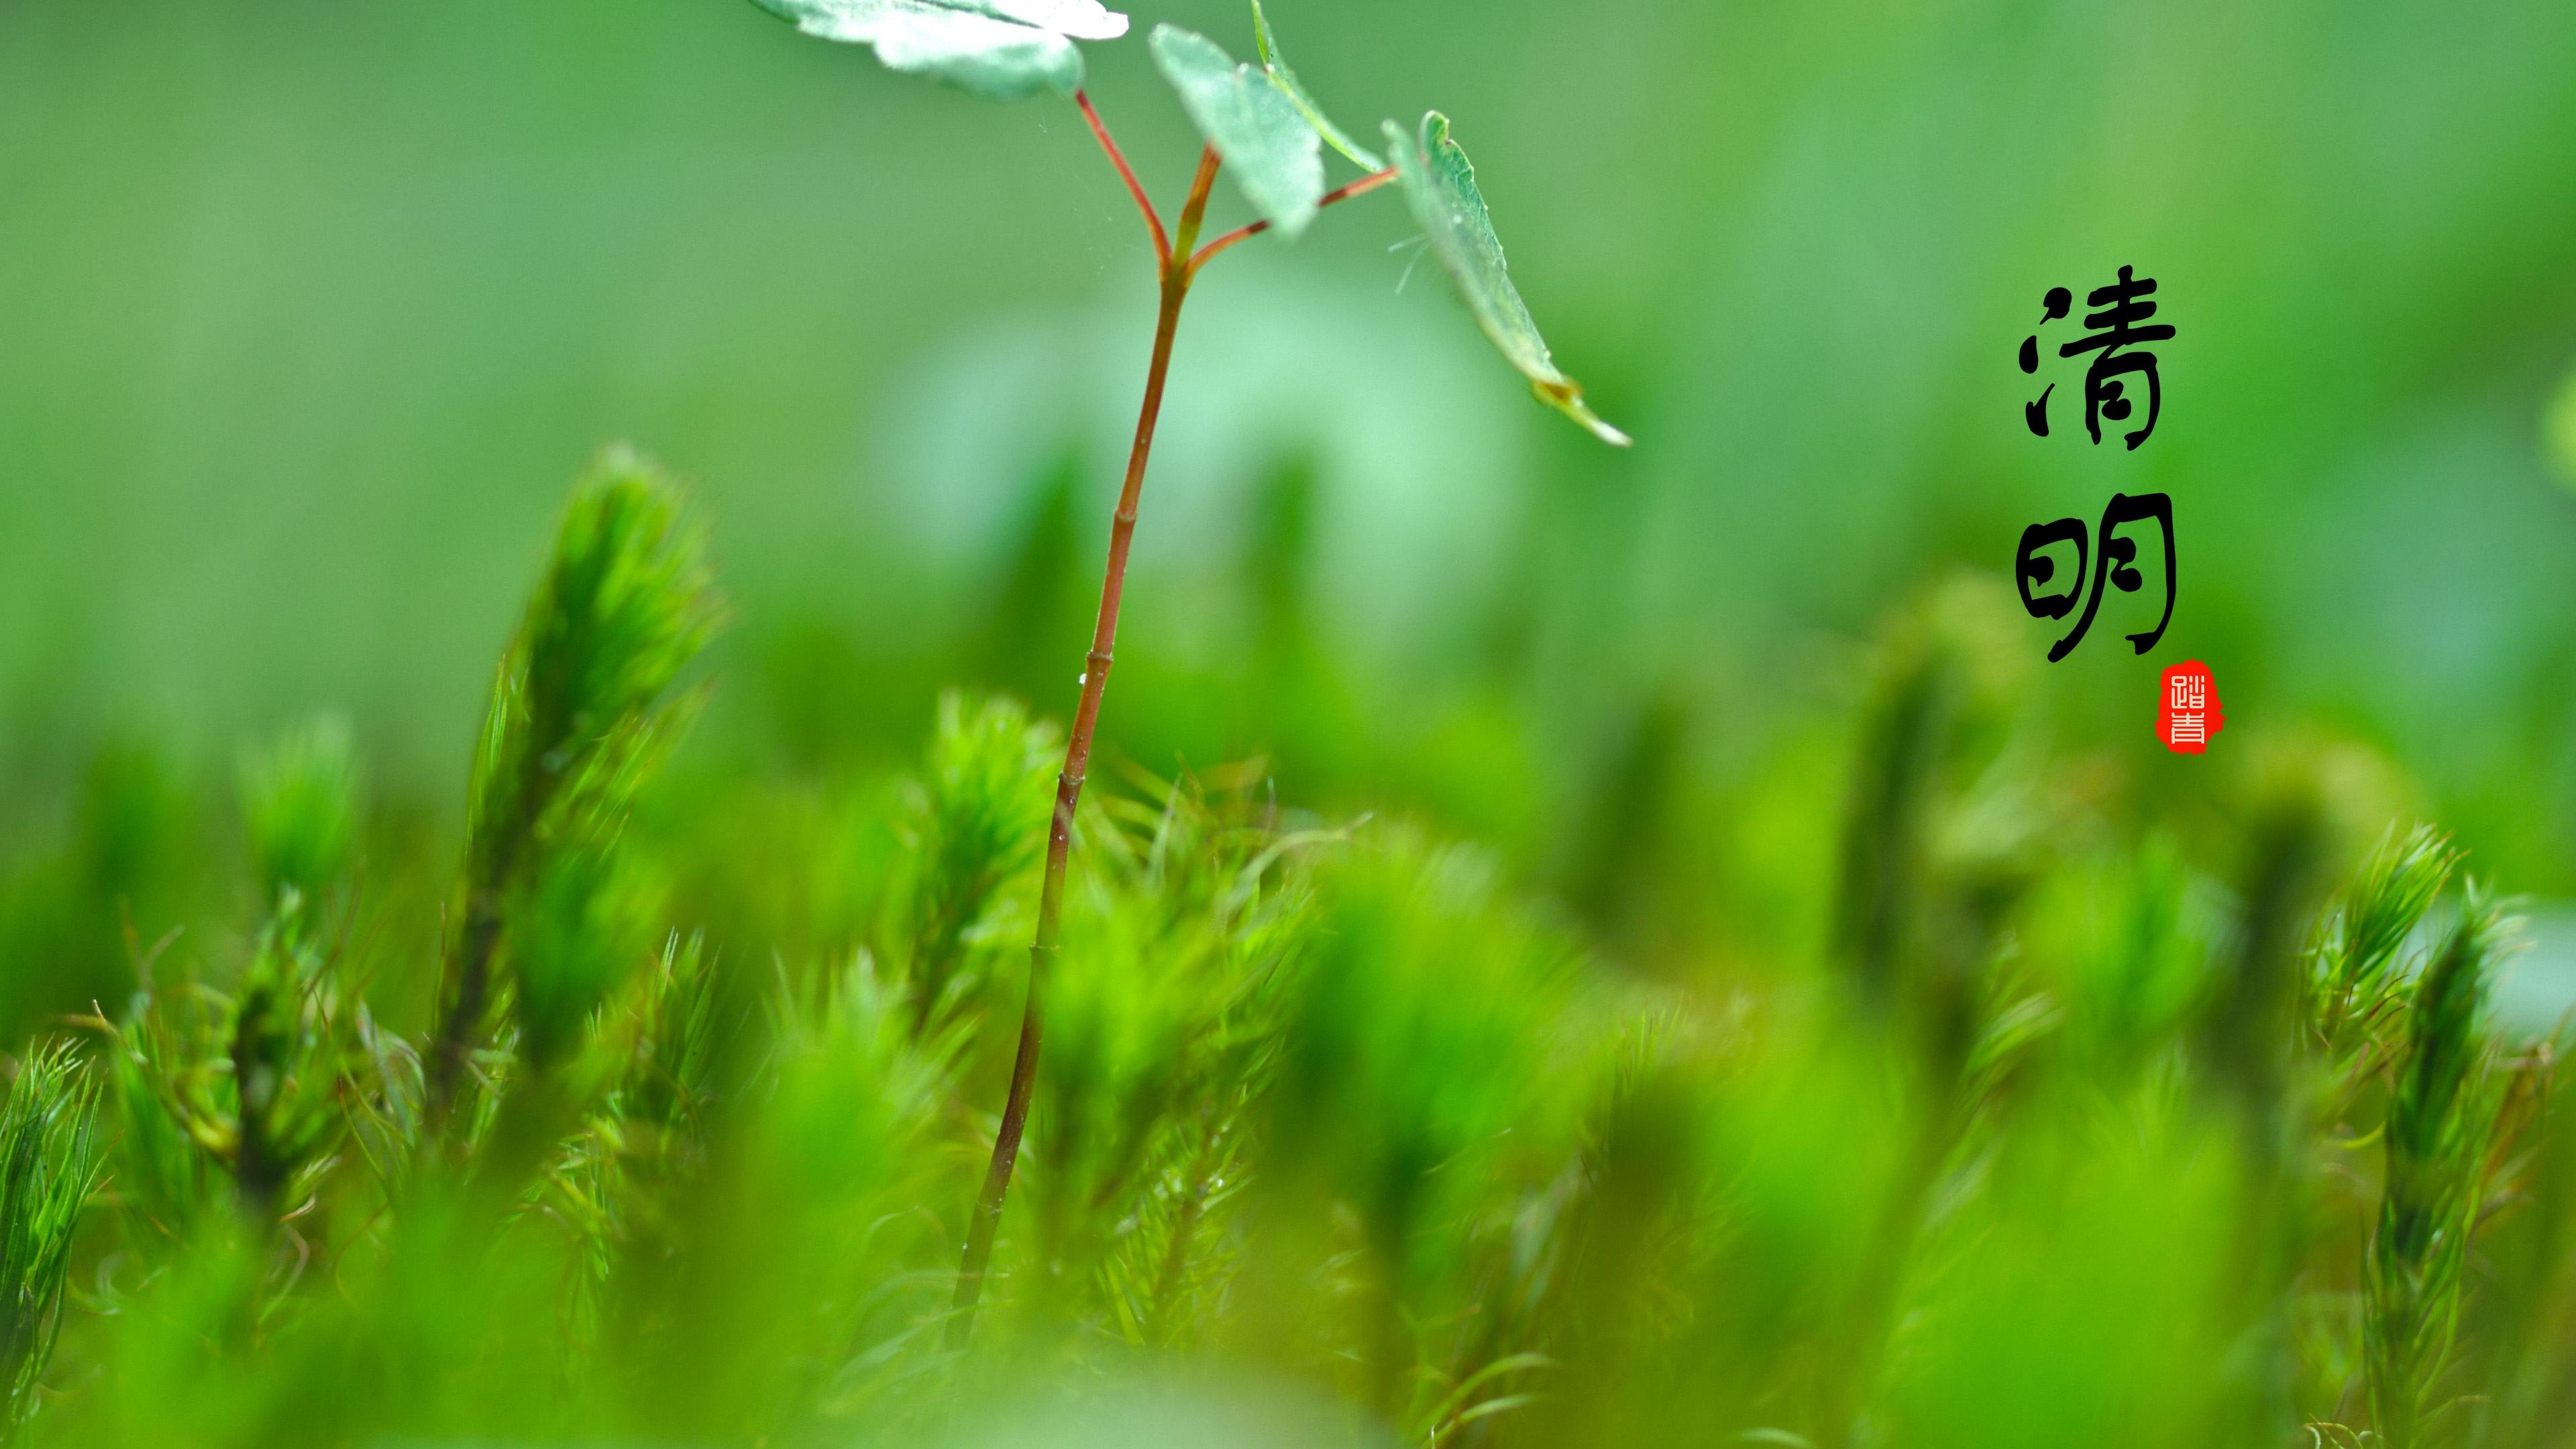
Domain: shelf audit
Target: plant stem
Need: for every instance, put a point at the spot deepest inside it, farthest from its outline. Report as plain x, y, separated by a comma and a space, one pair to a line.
471, 972
1126, 173
447, 1057
257, 1067
1176, 274
1361, 187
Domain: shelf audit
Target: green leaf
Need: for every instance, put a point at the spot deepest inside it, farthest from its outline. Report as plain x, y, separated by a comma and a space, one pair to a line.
1274, 156
1002, 49
1440, 184
1286, 79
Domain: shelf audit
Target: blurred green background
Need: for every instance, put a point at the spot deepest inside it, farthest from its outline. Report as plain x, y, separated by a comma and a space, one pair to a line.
308, 311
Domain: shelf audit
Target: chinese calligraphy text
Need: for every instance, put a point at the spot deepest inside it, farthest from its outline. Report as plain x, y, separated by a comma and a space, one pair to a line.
2116, 330
2115, 562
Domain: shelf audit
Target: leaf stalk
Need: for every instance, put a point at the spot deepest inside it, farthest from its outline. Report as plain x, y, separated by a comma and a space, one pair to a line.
1127, 173
1361, 187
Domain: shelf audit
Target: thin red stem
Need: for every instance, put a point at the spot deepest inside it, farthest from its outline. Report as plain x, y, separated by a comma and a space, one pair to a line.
1361, 187
1126, 173
987, 1220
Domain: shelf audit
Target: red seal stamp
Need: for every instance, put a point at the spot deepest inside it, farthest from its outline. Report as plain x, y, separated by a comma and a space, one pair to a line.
2191, 713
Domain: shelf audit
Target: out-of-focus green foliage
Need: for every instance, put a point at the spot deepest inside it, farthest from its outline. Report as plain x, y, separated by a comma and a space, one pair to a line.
314, 305
976, 825
301, 802
582, 711
245, 1076
2559, 430
1344, 1135
2439, 1129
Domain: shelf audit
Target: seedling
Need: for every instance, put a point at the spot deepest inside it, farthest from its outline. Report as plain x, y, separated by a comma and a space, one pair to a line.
1263, 126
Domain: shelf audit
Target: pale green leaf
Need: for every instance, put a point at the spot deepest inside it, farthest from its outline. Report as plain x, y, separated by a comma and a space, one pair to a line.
1003, 49
1277, 64
1275, 158
1440, 184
